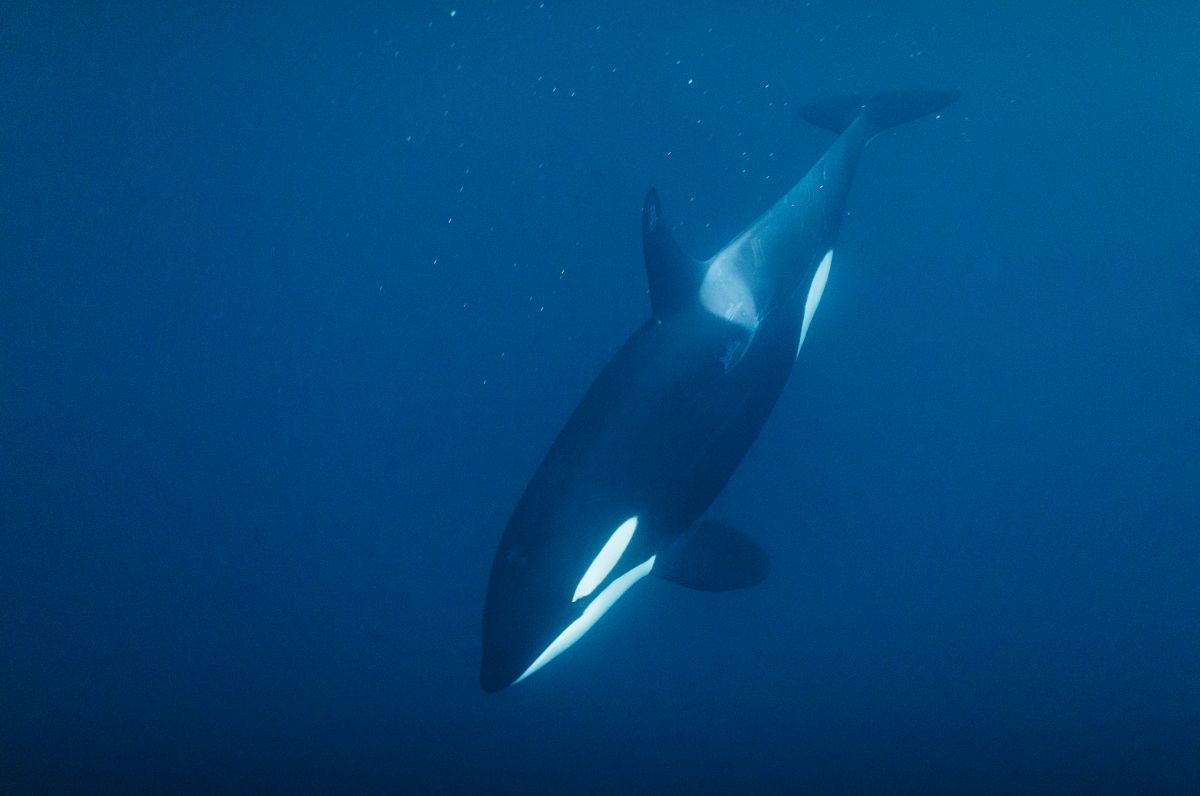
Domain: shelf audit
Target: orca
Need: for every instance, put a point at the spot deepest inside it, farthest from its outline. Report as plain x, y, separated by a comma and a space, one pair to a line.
623, 490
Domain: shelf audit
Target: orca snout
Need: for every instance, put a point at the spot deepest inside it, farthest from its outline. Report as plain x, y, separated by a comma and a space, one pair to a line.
499, 670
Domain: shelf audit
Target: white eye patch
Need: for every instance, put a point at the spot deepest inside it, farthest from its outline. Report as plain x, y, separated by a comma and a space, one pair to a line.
606, 559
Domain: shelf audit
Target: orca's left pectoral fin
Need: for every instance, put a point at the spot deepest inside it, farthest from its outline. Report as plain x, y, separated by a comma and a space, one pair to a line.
713, 556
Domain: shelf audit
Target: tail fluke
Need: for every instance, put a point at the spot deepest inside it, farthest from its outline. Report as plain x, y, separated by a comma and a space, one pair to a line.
881, 111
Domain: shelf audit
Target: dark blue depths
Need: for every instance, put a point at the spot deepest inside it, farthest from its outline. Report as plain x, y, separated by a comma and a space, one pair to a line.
293, 301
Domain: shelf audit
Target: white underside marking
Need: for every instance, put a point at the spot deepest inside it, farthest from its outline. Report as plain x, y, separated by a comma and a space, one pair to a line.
591, 615
606, 559
814, 295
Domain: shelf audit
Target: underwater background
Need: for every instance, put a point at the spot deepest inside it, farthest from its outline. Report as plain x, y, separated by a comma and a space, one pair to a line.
294, 297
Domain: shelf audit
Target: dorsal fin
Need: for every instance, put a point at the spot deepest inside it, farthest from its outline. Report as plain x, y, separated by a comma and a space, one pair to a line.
674, 277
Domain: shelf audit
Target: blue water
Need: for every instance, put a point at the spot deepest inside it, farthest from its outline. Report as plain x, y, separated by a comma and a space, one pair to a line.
293, 300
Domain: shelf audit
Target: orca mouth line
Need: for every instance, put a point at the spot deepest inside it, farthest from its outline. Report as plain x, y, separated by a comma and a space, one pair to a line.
597, 608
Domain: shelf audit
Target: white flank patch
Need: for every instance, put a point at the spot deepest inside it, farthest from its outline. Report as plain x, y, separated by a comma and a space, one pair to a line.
606, 559
591, 615
814, 295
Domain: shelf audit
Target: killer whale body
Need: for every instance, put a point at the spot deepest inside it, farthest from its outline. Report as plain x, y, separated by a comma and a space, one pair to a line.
622, 490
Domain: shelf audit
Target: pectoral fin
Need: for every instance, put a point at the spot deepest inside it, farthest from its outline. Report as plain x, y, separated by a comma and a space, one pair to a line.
713, 556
